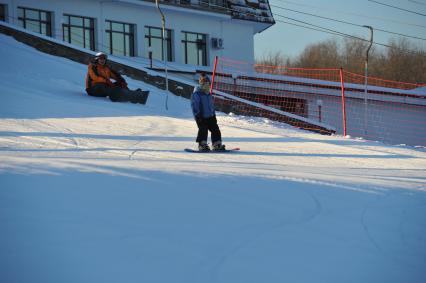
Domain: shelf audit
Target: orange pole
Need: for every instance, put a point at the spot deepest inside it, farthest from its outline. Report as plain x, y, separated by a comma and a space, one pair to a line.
214, 73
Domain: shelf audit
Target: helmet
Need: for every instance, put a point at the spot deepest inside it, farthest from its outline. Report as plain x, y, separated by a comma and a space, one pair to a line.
100, 55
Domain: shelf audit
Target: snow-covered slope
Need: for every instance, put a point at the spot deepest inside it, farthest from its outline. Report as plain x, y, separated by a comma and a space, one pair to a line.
95, 191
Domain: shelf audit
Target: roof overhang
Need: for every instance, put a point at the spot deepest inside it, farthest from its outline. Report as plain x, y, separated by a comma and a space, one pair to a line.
176, 8
258, 27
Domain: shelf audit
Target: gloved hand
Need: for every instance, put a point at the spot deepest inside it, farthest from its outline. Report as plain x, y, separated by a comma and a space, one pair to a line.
123, 84
109, 83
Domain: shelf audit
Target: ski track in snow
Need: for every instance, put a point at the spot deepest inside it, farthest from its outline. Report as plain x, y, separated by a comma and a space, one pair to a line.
215, 268
111, 186
211, 267
385, 252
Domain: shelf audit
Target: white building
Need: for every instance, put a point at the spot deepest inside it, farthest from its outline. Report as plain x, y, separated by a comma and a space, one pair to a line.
196, 30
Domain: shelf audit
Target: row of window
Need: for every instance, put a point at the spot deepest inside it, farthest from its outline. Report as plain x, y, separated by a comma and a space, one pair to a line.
120, 37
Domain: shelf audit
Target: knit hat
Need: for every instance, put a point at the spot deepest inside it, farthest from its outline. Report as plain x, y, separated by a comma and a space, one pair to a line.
203, 79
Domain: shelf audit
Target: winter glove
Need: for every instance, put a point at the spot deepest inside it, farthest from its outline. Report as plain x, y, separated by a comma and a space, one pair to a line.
109, 83
123, 84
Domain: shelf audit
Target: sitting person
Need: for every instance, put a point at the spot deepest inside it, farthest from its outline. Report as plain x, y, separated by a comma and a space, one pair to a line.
205, 116
99, 84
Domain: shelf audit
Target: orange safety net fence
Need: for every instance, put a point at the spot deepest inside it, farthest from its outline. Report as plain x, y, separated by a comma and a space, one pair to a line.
324, 100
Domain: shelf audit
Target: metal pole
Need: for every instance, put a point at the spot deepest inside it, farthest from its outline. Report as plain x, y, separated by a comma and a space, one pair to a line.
366, 81
342, 85
163, 23
150, 55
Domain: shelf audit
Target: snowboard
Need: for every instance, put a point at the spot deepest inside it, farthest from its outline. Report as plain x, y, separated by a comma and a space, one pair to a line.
213, 151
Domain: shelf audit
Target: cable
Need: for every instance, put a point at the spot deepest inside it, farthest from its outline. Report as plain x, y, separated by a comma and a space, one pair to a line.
348, 23
313, 15
395, 7
306, 27
355, 14
417, 2
321, 29
348, 35
317, 28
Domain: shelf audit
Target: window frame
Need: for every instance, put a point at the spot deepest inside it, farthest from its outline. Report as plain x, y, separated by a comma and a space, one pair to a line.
131, 34
40, 21
198, 42
168, 41
90, 29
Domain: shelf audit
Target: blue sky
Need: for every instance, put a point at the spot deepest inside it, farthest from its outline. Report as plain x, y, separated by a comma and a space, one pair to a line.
291, 40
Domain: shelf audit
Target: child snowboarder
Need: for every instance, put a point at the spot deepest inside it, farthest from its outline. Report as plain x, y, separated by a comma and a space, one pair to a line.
204, 113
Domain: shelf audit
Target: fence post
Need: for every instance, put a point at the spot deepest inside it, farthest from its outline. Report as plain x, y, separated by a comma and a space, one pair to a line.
342, 83
214, 74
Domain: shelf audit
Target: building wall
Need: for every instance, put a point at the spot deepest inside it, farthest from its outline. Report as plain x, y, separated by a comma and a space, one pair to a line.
218, 25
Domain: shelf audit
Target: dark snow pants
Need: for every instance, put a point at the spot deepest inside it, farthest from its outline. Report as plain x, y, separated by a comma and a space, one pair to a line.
115, 93
205, 125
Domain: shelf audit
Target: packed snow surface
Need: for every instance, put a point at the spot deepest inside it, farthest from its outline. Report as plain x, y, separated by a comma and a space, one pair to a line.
95, 191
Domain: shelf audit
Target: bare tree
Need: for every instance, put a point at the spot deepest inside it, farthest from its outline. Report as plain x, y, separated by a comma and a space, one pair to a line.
320, 55
402, 65
393, 63
274, 59
272, 62
353, 54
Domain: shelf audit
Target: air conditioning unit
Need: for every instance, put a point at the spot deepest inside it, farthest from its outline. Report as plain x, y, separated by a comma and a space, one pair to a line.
217, 43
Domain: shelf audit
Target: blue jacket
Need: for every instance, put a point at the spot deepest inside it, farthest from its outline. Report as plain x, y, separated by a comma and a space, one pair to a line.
202, 103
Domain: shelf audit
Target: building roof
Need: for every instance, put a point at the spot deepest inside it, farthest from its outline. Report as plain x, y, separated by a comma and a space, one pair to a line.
252, 10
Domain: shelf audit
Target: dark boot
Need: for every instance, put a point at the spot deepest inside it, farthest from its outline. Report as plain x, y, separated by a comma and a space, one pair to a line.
218, 146
140, 96
203, 146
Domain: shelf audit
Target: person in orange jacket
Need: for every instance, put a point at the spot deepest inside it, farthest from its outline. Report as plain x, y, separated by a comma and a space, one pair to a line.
99, 83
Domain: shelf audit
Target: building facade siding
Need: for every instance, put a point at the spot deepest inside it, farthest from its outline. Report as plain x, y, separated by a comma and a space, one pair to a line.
236, 35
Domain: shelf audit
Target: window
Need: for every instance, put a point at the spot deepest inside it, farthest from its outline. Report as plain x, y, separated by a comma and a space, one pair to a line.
2, 12
153, 38
79, 31
195, 48
35, 20
120, 38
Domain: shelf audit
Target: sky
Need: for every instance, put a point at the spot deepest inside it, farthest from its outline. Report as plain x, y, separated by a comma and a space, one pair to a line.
95, 191
291, 40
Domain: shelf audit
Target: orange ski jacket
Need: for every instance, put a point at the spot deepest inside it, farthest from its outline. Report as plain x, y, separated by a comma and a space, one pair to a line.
97, 73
